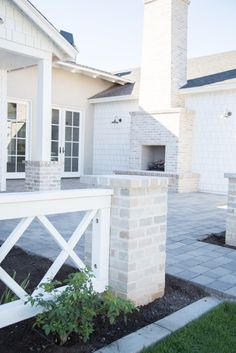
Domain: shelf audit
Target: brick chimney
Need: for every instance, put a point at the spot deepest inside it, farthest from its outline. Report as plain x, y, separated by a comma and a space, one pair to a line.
164, 58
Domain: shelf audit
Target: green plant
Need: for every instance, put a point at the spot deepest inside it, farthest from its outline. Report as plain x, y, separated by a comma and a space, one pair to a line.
75, 309
114, 306
8, 296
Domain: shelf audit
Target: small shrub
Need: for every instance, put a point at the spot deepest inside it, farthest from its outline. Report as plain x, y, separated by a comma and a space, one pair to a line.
75, 309
8, 296
112, 307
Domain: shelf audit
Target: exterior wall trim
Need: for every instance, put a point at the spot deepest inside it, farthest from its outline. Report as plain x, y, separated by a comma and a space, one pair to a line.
24, 50
47, 28
208, 88
92, 72
112, 99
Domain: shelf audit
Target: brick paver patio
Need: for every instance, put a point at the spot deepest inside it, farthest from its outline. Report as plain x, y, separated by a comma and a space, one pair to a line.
190, 217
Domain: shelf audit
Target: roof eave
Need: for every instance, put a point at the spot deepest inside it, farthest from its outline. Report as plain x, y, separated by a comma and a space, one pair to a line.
69, 51
112, 99
208, 88
93, 73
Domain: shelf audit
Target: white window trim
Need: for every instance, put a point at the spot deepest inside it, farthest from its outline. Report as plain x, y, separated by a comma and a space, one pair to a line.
28, 102
62, 109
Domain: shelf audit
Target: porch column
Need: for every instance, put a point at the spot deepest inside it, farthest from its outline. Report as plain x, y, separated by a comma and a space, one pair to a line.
41, 173
137, 236
230, 238
3, 129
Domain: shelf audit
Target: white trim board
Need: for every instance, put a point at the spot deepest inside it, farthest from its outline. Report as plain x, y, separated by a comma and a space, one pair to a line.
112, 99
92, 72
208, 88
47, 28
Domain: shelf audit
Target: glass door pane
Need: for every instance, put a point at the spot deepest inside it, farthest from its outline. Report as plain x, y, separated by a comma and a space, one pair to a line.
16, 137
72, 140
55, 140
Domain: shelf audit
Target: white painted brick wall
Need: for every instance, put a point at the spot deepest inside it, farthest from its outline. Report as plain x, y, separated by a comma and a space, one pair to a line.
164, 54
20, 29
172, 129
214, 138
137, 236
42, 176
112, 141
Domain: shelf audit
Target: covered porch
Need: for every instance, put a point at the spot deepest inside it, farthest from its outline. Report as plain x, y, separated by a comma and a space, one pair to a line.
27, 39
13, 118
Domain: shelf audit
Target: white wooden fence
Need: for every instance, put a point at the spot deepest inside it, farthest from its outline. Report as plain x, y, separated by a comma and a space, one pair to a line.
28, 206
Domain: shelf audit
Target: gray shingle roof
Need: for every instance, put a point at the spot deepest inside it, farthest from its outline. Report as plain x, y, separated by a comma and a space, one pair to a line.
211, 79
202, 71
116, 91
68, 36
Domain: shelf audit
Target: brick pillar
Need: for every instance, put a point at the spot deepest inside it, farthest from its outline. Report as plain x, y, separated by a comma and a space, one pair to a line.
138, 235
231, 212
42, 176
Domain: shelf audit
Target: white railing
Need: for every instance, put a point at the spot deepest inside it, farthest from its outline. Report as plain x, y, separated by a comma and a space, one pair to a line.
96, 205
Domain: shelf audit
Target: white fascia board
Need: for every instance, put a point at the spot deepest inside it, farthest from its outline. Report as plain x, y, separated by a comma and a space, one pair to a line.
47, 28
76, 68
112, 99
21, 49
208, 88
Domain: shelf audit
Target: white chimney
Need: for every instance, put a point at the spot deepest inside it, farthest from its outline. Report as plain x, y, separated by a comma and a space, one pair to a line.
164, 58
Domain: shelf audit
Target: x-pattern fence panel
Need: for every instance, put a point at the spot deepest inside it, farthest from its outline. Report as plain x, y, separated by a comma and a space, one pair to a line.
30, 206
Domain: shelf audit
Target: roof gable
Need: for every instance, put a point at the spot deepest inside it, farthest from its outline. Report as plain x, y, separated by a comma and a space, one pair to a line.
25, 25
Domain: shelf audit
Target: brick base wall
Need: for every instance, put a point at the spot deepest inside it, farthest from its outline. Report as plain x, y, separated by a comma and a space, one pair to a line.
42, 176
138, 235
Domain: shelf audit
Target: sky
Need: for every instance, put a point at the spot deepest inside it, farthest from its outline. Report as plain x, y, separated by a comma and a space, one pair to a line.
108, 33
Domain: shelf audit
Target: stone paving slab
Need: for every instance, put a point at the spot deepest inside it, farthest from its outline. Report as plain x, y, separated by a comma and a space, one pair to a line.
209, 265
137, 341
191, 312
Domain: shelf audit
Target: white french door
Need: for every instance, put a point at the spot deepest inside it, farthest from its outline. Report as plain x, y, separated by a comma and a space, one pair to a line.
17, 138
66, 140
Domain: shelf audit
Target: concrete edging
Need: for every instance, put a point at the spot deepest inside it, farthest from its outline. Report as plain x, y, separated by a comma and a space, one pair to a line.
154, 333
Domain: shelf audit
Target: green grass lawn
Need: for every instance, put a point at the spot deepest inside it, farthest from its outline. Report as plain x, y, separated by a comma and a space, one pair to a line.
213, 333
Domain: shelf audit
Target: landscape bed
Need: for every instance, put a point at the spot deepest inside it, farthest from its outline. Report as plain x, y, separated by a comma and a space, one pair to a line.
217, 239
22, 338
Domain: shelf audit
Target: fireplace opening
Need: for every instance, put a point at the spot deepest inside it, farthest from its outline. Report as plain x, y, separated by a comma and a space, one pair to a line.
153, 158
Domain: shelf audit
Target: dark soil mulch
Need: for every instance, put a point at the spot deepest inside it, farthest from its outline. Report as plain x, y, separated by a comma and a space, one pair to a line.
21, 338
217, 239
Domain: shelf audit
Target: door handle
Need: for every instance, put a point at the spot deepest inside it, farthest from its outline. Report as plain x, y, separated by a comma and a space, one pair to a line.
62, 150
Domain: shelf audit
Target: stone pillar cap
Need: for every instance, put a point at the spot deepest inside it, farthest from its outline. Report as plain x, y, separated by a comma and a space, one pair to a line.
150, 1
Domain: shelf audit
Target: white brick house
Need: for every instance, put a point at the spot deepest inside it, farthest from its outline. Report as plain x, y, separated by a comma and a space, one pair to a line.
43, 100
67, 120
184, 111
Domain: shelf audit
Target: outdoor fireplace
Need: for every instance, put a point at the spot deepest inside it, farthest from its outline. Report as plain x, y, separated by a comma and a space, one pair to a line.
153, 158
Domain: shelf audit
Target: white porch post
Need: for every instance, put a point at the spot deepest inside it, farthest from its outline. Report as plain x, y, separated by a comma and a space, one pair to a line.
3, 129
44, 105
41, 173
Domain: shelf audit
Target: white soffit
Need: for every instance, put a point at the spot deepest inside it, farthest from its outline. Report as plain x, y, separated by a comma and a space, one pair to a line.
91, 72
